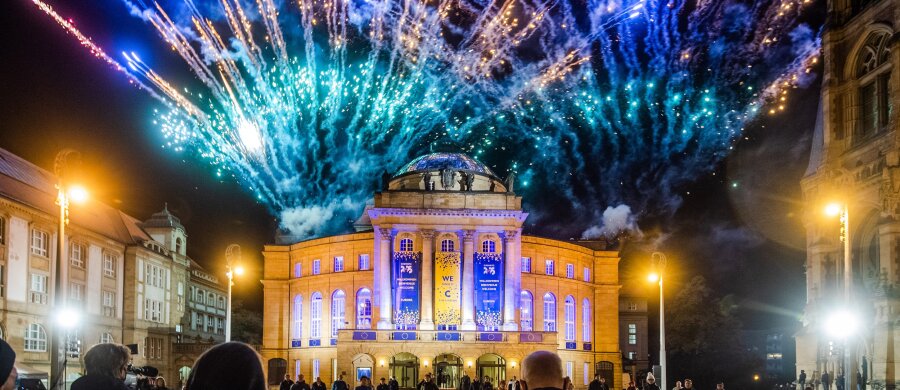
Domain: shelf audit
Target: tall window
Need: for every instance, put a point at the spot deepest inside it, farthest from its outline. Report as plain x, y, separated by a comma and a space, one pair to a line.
337, 312
297, 317
298, 269
570, 271
874, 93
38, 288
364, 309
109, 303
570, 318
338, 263
632, 334
109, 264
76, 255
584, 374
154, 275
153, 311
489, 246
178, 245
587, 274
315, 313
526, 314
2, 231
364, 262
447, 246
40, 244
315, 368
586, 328
76, 294
317, 266
35, 338
526, 264
2, 281
570, 369
406, 245
549, 267
153, 347
549, 313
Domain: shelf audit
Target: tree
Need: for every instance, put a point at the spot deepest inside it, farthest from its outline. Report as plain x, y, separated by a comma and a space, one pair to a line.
246, 324
703, 339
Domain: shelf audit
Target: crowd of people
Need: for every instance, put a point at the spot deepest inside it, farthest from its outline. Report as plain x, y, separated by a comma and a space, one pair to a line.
237, 366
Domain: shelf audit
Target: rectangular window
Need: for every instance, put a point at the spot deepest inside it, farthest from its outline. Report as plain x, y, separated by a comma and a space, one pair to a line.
570, 271
297, 368
632, 306
2, 281
109, 264
315, 368
109, 304
154, 275
40, 243
869, 106
76, 255
632, 334
339, 264
526, 264
153, 311
587, 274
316, 267
38, 288
364, 262
153, 348
632, 355
570, 367
2, 231
334, 370
549, 268
587, 369
76, 293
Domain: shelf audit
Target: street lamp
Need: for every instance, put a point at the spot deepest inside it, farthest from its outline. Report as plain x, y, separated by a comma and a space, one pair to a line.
66, 162
232, 258
658, 260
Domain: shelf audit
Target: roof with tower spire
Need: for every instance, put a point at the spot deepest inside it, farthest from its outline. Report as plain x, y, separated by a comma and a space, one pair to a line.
164, 219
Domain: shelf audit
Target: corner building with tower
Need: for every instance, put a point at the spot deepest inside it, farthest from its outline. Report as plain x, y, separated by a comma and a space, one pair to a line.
439, 279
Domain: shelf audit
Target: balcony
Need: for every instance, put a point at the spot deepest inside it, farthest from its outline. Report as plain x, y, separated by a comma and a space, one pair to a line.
437, 336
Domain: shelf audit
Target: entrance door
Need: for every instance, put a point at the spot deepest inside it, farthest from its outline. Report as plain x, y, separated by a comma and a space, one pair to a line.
405, 369
492, 366
447, 371
604, 369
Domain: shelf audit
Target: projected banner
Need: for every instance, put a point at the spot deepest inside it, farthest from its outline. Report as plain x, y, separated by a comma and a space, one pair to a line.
446, 288
488, 290
405, 285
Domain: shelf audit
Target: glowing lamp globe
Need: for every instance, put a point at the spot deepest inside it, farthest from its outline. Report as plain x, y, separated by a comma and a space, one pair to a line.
239, 270
841, 324
653, 277
78, 194
833, 209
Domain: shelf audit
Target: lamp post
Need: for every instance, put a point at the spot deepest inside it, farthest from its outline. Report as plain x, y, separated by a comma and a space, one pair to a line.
843, 210
66, 161
232, 257
659, 264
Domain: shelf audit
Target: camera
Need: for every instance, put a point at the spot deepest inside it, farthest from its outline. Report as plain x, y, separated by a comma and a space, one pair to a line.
136, 378
143, 371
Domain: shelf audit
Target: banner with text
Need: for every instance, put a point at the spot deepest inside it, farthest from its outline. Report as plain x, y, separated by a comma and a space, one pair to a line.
405, 286
488, 290
446, 288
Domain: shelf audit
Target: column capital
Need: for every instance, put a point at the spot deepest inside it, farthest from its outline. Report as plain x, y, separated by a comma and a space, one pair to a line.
427, 233
510, 234
467, 235
386, 233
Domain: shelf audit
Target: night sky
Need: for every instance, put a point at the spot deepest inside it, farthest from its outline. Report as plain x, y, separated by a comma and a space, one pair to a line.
738, 226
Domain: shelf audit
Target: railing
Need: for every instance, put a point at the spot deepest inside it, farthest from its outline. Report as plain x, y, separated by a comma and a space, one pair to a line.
440, 336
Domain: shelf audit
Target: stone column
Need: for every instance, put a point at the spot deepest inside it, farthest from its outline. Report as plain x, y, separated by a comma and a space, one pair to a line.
385, 311
468, 286
513, 273
427, 321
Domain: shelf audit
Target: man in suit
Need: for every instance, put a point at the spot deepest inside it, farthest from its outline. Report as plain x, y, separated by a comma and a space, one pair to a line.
513, 384
465, 383
393, 384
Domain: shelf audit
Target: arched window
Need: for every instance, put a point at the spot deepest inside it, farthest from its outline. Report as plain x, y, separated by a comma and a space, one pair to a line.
570, 318
106, 337
488, 246
297, 317
298, 269
406, 245
222, 303
315, 313
586, 328
178, 245
874, 86
447, 246
526, 314
337, 312
549, 312
364, 309
35, 338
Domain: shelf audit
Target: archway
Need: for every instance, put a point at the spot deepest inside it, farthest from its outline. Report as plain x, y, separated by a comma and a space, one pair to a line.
405, 369
492, 366
605, 370
277, 369
362, 367
447, 371
183, 373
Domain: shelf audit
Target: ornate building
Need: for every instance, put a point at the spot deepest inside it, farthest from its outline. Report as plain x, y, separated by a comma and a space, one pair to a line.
440, 279
855, 159
126, 278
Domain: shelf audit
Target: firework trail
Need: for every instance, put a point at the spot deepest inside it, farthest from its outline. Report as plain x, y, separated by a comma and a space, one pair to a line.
598, 102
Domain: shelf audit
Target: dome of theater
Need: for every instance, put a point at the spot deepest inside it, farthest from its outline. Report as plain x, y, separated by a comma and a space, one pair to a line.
441, 160
447, 171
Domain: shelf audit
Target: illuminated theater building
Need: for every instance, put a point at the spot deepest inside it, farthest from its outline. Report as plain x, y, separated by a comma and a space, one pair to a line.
440, 279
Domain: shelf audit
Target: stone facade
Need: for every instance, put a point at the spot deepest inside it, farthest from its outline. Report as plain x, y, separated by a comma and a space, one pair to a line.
328, 301
855, 159
128, 279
